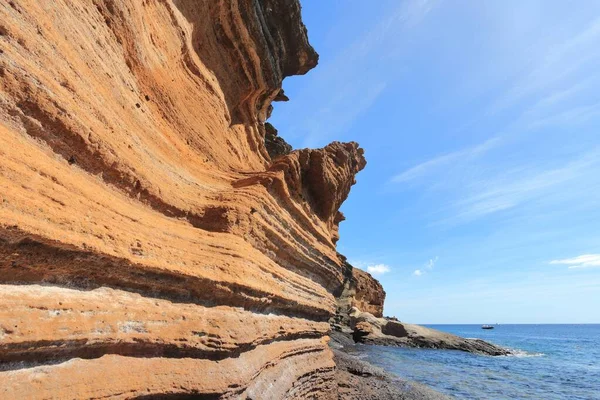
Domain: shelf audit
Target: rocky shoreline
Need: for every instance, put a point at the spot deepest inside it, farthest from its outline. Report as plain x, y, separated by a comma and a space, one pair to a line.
359, 321
359, 380
359, 314
390, 332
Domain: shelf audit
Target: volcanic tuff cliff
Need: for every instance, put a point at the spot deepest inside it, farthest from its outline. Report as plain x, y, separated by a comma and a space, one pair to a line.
359, 291
149, 245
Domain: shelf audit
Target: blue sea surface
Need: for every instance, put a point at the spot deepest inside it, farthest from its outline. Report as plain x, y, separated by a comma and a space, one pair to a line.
551, 362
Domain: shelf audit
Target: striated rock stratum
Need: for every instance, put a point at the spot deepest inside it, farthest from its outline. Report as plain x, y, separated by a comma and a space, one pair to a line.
151, 245
360, 291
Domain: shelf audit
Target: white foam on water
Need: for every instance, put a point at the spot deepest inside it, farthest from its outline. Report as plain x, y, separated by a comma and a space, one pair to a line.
523, 354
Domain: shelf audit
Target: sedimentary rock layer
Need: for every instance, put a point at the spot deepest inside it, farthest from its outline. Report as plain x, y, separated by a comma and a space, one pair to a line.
369, 295
252, 375
149, 245
41, 324
360, 290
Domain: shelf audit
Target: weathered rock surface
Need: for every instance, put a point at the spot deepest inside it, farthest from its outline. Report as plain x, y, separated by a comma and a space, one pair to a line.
369, 294
276, 145
372, 330
149, 245
360, 290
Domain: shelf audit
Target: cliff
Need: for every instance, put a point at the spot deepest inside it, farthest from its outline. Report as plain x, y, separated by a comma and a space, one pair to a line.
369, 295
359, 315
150, 246
361, 291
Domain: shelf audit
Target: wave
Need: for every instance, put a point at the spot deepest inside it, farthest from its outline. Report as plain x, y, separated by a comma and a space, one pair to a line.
523, 354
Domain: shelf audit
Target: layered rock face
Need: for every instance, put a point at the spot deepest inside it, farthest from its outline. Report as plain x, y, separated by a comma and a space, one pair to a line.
360, 291
369, 294
149, 245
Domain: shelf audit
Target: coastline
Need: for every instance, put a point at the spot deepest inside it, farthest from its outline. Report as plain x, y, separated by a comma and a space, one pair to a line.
360, 380
551, 362
352, 327
160, 240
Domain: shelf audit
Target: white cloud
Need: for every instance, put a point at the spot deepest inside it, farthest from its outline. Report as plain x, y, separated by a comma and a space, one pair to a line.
378, 269
550, 102
551, 90
583, 261
428, 266
571, 116
431, 263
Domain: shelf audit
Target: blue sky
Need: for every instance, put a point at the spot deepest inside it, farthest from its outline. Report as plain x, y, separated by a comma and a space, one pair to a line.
480, 122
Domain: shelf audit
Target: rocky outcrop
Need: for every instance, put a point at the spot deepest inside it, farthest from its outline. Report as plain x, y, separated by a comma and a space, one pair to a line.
359, 315
361, 291
250, 46
150, 247
276, 145
369, 294
390, 332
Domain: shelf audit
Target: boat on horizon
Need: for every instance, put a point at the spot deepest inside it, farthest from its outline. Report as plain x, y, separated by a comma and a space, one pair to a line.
487, 327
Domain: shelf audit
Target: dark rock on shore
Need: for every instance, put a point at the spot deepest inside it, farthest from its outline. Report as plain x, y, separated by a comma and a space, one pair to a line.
359, 380
359, 315
387, 332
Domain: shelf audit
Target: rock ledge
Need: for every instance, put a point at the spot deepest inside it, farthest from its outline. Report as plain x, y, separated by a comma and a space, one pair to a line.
387, 332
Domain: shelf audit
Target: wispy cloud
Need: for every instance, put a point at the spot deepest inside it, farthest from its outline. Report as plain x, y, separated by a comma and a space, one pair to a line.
583, 261
349, 76
562, 61
554, 91
554, 99
575, 115
481, 189
523, 184
438, 163
502, 137
431, 263
378, 269
428, 266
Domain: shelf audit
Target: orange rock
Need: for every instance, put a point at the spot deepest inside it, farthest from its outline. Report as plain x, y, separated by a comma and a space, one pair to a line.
369, 294
359, 291
149, 246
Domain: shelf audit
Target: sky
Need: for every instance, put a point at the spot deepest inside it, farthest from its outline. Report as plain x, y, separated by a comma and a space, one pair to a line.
480, 202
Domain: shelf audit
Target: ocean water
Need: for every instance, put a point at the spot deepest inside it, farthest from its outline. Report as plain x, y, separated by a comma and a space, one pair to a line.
551, 362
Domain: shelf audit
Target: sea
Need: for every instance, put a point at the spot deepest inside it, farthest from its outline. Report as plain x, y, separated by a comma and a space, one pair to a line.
550, 362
